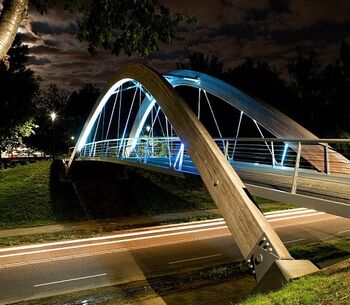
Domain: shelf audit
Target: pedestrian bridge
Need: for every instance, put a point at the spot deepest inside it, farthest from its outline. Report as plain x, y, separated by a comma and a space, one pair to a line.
239, 146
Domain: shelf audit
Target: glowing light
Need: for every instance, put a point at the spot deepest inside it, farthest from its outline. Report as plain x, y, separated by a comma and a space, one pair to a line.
180, 157
96, 111
53, 116
195, 80
148, 128
142, 121
284, 153
72, 138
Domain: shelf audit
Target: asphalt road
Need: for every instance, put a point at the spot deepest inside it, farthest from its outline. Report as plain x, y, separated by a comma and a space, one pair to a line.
29, 272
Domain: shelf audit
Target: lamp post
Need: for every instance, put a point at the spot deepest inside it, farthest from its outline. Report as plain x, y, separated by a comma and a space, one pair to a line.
53, 117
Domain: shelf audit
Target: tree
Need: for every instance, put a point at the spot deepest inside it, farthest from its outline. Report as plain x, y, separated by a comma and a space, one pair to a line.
50, 100
79, 107
200, 62
262, 81
19, 88
16, 135
72, 110
10, 20
333, 106
322, 93
135, 27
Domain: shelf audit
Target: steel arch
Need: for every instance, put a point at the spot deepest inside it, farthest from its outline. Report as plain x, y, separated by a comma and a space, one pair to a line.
249, 228
276, 122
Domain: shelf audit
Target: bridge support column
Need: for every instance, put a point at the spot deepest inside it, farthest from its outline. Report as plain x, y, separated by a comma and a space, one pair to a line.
283, 271
270, 271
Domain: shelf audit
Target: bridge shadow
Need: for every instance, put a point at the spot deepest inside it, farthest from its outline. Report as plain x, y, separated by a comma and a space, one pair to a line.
113, 190
64, 202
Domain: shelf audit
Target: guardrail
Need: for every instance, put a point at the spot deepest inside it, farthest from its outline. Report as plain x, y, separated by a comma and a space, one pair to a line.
294, 154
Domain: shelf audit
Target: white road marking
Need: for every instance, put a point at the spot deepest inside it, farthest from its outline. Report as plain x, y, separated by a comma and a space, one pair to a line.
345, 231
71, 280
194, 259
293, 241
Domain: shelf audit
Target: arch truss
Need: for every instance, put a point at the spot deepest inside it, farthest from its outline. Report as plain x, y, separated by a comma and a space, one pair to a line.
142, 119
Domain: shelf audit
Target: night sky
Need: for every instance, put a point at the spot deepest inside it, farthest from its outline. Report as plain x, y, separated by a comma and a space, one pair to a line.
268, 30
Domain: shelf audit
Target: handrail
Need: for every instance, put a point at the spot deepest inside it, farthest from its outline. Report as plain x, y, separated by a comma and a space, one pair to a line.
277, 140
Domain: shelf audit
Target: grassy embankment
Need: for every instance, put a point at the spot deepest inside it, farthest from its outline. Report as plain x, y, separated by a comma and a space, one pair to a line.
327, 287
31, 195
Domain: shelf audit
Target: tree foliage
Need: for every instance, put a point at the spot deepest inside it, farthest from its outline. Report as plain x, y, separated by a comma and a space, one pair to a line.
133, 26
19, 89
197, 61
16, 135
316, 96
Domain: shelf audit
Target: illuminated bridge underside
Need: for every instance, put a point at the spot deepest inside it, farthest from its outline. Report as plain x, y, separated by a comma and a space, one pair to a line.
258, 242
330, 194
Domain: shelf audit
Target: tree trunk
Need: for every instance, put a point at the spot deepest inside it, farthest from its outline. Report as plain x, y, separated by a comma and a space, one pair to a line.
10, 19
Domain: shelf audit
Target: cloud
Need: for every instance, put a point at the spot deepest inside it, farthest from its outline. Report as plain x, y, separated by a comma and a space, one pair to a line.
230, 29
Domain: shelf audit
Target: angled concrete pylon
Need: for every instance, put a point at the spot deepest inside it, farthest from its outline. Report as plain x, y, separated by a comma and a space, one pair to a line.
263, 250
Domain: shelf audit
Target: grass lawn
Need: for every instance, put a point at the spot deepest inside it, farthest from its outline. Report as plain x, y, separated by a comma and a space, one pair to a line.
194, 194
31, 195
327, 287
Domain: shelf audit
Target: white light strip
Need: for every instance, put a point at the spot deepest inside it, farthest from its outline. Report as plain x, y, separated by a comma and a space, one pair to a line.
298, 216
285, 211
112, 242
157, 229
100, 106
292, 214
142, 123
217, 222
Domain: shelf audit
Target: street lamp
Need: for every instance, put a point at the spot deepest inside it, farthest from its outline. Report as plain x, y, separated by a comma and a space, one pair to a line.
53, 117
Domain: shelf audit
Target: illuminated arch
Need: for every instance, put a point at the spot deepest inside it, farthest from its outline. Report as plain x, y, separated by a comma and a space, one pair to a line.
276, 122
249, 228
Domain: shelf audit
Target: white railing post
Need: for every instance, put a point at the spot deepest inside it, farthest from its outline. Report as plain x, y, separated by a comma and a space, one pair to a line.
273, 154
326, 159
296, 170
226, 149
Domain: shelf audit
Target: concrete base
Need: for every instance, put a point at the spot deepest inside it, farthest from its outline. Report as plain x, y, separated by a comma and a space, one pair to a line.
283, 271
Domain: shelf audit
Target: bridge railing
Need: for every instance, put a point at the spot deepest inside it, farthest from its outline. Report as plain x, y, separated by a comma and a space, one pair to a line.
315, 154
292, 154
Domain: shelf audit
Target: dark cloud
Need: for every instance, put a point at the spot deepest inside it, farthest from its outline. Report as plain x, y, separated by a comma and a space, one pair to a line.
230, 29
323, 32
40, 27
33, 60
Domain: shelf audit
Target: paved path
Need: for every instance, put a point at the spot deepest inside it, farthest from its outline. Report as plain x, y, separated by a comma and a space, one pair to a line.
41, 270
